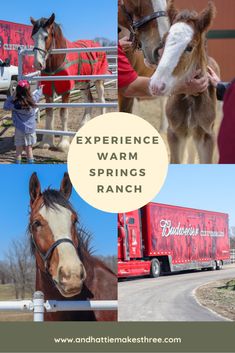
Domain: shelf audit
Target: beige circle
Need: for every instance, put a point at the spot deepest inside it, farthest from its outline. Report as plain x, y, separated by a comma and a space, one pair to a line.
107, 190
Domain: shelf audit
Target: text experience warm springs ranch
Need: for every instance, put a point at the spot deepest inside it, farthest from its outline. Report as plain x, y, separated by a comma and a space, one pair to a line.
126, 172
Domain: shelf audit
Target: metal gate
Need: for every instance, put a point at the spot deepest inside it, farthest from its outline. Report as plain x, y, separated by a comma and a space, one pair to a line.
39, 306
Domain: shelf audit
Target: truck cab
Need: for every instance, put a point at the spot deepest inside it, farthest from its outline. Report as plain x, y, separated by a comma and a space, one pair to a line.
8, 77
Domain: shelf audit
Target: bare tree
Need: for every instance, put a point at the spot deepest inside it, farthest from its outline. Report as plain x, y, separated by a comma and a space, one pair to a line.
21, 266
4, 273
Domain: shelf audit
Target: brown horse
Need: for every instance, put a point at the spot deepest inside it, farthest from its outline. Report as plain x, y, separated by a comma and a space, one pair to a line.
137, 20
65, 269
47, 35
185, 52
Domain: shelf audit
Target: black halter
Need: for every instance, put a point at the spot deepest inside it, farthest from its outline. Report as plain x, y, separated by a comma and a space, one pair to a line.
46, 257
136, 25
144, 20
47, 52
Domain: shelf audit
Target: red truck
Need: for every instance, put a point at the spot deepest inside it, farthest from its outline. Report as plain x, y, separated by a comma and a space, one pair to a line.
12, 37
162, 238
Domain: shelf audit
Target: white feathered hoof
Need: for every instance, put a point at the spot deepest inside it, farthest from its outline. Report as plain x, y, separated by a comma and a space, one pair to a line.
47, 143
64, 145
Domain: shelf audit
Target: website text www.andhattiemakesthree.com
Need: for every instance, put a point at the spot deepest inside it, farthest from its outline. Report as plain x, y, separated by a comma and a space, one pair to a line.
131, 172
118, 340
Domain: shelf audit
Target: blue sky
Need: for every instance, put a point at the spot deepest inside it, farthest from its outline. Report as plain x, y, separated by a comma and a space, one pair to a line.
208, 187
80, 19
14, 207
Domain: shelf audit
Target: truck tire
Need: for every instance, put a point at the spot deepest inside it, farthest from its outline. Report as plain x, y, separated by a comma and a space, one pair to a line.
155, 268
214, 266
12, 88
219, 265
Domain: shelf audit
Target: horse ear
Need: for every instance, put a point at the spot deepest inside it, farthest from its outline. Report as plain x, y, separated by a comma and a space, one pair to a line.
66, 186
33, 21
34, 188
172, 11
206, 17
49, 21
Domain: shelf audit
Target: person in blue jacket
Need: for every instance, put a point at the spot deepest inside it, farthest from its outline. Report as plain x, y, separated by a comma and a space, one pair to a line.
23, 106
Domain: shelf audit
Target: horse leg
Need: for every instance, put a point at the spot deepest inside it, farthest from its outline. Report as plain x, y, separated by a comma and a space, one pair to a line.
205, 143
100, 91
87, 96
64, 115
125, 104
48, 140
177, 143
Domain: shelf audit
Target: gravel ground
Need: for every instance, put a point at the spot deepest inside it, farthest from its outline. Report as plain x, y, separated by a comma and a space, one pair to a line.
217, 297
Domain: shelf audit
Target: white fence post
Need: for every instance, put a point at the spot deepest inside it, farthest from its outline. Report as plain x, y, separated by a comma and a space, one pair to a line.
38, 304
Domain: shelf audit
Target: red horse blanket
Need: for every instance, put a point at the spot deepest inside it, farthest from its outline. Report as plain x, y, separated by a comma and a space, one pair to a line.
94, 63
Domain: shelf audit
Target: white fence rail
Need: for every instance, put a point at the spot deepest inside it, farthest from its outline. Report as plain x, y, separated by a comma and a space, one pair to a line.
232, 256
39, 306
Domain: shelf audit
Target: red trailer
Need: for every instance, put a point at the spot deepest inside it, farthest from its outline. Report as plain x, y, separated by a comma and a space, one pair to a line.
162, 238
14, 36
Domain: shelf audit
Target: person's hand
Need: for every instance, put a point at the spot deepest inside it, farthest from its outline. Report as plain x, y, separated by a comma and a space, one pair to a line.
125, 43
194, 86
213, 77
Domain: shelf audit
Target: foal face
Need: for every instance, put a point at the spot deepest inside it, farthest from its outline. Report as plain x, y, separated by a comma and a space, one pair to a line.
184, 44
42, 37
48, 225
151, 33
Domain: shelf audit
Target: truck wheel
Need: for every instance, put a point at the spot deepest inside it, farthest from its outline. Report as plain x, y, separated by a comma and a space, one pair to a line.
12, 88
219, 265
214, 266
155, 268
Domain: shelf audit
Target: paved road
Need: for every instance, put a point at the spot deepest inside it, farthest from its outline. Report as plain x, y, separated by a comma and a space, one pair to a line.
168, 298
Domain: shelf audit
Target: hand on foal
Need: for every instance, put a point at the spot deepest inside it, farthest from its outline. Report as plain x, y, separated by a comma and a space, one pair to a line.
195, 85
213, 77
125, 43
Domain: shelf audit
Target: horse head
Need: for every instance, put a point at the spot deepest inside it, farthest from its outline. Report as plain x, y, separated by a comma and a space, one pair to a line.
184, 49
147, 20
43, 36
54, 236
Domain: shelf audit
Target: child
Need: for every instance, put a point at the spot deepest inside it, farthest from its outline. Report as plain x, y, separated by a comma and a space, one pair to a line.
23, 107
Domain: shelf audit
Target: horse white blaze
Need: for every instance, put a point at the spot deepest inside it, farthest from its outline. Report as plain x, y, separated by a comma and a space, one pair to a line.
39, 39
163, 22
60, 223
163, 80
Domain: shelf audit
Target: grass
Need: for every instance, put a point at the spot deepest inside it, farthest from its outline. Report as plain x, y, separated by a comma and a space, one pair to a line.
7, 293
219, 296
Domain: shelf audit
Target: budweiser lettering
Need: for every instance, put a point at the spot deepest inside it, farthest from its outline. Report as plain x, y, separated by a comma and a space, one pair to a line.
168, 229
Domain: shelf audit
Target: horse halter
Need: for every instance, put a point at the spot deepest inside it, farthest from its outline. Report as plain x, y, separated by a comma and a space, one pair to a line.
47, 52
47, 256
136, 25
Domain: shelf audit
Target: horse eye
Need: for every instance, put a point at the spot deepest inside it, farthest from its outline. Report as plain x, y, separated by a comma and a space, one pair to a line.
37, 224
75, 221
189, 49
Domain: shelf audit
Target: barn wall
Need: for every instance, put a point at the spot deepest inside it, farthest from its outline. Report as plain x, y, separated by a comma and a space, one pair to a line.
223, 50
